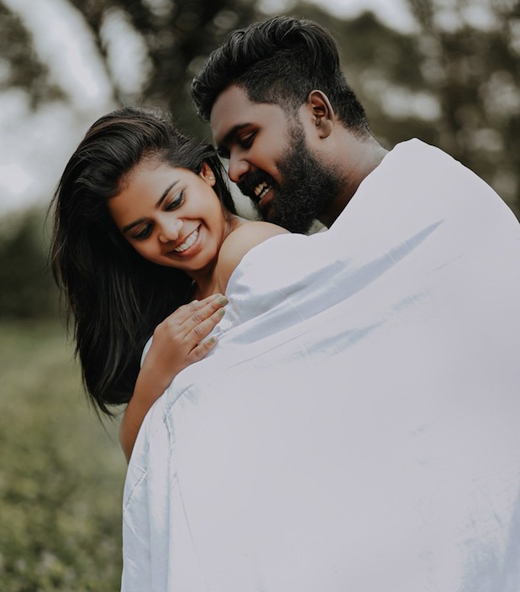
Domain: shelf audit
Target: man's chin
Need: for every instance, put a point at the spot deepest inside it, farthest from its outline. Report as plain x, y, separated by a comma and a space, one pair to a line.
267, 211
292, 223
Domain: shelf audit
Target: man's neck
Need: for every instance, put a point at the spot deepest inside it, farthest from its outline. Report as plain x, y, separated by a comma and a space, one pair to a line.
356, 161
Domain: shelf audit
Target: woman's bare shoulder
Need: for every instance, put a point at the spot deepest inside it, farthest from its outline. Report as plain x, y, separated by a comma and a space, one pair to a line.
247, 235
250, 233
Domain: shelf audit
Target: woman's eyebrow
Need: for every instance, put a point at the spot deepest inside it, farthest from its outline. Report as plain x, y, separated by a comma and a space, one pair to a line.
163, 196
157, 206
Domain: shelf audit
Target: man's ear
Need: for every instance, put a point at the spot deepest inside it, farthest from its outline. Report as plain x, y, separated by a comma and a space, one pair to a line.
207, 174
322, 113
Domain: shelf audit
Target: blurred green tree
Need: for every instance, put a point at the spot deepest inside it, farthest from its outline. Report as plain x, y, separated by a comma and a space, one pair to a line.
20, 66
27, 288
177, 37
472, 68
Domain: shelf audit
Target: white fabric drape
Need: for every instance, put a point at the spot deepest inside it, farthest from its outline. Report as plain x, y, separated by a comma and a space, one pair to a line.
358, 425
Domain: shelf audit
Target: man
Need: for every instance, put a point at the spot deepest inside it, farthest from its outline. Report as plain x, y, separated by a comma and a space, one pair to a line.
356, 428
296, 136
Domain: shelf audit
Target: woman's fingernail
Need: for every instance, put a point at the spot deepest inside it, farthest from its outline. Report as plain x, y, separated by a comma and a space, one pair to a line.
221, 312
222, 300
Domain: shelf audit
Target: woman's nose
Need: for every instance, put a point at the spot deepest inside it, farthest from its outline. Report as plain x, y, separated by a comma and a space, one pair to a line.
170, 229
237, 168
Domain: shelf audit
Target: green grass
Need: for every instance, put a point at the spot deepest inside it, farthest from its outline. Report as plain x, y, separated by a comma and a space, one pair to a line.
61, 473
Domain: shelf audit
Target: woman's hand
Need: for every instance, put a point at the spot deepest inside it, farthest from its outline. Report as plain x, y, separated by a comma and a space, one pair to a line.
177, 342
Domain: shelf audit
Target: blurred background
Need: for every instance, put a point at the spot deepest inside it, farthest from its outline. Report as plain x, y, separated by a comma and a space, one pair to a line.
446, 71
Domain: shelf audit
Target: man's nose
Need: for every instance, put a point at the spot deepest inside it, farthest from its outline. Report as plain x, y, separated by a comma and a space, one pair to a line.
170, 229
237, 169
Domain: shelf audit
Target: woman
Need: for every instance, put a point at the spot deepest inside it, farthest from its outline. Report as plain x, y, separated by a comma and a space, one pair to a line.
144, 224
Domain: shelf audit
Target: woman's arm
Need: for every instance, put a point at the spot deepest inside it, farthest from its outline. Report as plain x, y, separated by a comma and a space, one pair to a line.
177, 343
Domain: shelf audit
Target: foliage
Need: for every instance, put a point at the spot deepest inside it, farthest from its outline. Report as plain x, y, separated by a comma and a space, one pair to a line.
474, 74
28, 289
61, 475
177, 36
20, 66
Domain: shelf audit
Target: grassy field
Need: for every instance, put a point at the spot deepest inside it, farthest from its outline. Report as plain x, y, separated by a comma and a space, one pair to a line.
61, 471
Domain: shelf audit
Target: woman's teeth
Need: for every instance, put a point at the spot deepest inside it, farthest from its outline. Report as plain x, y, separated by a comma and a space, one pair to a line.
189, 241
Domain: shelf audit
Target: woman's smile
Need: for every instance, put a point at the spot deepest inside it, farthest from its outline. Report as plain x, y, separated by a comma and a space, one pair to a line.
188, 245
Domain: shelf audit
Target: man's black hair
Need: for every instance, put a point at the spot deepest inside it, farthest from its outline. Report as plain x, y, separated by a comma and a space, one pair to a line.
279, 61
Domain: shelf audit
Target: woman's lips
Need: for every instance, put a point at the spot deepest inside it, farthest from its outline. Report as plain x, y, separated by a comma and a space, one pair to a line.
189, 242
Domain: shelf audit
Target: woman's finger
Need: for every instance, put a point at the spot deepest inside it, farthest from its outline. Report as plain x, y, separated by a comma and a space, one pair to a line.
181, 314
202, 349
199, 314
201, 330
202, 309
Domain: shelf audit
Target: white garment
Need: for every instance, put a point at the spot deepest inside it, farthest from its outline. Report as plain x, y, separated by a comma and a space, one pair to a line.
357, 427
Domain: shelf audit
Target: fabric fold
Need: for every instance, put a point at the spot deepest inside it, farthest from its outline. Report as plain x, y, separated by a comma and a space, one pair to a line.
356, 428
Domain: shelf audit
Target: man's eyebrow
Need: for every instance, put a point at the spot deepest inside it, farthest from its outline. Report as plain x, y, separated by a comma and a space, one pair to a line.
230, 136
157, 205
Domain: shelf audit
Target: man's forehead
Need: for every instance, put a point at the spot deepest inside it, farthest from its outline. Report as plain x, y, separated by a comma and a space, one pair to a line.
233, 110
230, 109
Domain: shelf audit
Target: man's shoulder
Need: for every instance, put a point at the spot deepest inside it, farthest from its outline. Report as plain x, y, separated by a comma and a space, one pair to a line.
414, 145
416, 159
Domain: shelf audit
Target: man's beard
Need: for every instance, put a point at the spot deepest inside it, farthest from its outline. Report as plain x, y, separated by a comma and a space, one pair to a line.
308, 187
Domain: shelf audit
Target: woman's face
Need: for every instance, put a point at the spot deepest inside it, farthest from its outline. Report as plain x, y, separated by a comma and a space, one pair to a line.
171, 216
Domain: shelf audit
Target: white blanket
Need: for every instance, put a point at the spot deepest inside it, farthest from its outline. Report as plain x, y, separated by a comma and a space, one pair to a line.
358, 426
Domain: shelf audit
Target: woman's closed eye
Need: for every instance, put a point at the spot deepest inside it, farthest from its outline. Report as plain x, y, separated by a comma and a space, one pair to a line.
143, 233
175, 202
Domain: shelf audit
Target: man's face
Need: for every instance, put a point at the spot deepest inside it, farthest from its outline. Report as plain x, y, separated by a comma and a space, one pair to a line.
270, 161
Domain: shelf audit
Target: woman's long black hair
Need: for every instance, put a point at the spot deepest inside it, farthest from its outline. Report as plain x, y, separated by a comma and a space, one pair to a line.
114, 297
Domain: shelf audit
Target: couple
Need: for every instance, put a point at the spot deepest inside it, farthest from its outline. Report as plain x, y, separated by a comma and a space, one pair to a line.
298, 146
356, 427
